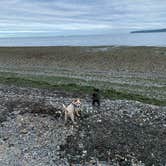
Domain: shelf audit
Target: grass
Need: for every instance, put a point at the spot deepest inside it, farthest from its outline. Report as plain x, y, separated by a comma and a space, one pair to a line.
120, 72
66, 84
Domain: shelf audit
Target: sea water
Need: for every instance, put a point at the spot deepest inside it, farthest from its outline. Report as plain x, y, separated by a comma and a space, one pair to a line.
126, 39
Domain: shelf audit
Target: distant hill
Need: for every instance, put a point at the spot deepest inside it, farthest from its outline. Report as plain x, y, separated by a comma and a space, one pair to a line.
149, 31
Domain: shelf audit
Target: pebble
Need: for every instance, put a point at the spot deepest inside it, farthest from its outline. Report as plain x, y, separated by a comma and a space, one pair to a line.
29, 138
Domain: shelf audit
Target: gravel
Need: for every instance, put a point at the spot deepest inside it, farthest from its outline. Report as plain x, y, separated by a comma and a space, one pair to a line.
120, 132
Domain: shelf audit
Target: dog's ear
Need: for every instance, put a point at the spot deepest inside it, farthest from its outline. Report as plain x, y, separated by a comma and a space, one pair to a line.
75, 100
78, 101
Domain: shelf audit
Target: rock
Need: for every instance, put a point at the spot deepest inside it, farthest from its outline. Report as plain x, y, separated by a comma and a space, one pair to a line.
92, 161
23, 131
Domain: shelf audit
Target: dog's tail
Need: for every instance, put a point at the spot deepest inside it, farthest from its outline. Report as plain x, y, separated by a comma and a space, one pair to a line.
64, 108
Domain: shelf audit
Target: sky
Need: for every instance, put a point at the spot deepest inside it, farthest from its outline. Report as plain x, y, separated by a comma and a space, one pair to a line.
79, 17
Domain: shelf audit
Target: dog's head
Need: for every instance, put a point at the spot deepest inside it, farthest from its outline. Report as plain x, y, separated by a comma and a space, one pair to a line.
77, 103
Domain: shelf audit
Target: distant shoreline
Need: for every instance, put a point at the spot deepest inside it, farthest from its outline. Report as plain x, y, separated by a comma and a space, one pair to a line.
150, 31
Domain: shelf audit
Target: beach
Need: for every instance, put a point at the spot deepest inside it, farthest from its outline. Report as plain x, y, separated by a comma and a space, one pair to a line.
127, 129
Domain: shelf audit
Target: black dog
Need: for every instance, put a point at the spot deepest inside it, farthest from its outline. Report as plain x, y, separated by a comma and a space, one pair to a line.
96, 98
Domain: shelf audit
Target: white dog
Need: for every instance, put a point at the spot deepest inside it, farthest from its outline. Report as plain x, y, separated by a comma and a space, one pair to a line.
72, 109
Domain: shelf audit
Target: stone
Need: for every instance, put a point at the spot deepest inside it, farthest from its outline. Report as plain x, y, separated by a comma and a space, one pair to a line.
23, 131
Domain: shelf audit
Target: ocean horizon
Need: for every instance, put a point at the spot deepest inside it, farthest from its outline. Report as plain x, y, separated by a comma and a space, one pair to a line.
118, 39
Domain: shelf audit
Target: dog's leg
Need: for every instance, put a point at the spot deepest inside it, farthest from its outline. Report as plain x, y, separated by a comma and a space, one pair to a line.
72, 118
66, 115
76, 111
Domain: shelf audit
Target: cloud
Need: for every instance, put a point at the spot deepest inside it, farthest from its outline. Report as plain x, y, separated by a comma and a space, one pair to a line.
92, 16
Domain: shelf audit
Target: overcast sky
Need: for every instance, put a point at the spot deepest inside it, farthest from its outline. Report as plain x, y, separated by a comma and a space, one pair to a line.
68, 17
